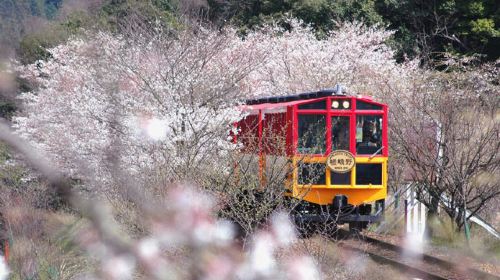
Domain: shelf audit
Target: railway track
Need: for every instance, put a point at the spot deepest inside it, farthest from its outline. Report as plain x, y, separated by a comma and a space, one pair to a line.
411, 263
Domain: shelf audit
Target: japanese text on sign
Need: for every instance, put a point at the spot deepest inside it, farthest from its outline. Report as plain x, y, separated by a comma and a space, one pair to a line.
340, 161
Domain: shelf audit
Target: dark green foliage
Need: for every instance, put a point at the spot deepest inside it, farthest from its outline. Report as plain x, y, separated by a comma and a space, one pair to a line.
423, 28
51, 8
431, 28
127, 15
320, 14
33, 47
25, 26
428, 29
7, 108
32, 26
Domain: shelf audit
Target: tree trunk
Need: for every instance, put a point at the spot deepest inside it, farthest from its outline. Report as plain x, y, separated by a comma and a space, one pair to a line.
459, 220
432, 217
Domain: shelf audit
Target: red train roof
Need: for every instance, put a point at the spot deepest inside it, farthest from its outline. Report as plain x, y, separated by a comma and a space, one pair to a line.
275, 107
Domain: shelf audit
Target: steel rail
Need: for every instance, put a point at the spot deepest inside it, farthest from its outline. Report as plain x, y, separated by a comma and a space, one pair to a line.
448, 265
413, 271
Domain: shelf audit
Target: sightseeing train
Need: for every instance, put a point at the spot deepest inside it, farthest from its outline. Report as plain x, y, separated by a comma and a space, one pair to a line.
335, 147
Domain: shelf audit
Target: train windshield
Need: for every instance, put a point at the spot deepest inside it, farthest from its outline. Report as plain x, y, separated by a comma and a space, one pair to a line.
340, 133
369, 134
312, 132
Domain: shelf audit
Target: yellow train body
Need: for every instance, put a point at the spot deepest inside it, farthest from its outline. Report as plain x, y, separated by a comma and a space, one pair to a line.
324, 194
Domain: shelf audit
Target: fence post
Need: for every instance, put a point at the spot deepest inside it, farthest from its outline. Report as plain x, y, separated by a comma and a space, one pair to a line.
406, 215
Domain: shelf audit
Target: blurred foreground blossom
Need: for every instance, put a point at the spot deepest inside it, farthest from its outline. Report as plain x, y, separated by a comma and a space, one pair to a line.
185, 238
120, 267
189, 222
181, 237
190, 219
302, 268
4, 270
263, 262
283, 230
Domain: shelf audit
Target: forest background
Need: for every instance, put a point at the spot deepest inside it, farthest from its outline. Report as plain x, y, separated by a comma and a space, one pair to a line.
429, 30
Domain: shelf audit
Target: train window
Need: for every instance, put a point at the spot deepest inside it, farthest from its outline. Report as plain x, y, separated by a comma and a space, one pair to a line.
340, 133
312, 130
369, 135
321, 105
340, 178
369, 174
361, 105
312, 174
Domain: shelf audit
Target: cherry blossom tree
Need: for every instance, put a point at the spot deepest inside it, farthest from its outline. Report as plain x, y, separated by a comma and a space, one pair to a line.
166, 100
355, 56
145, 102
447, 131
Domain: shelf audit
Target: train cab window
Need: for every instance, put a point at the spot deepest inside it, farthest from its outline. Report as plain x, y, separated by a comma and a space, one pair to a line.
361, 105
312, 174
320, 105
369, 135
312, 130
340, 133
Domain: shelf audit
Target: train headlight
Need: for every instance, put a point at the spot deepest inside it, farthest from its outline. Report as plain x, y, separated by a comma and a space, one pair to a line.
346, 104
335, 104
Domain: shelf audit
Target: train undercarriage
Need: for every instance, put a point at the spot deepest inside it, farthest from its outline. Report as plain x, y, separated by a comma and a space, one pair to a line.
311, 218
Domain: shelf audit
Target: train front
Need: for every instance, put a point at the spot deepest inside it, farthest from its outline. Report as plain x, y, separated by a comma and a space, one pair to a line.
336, 149
340, 159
